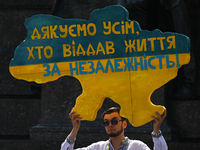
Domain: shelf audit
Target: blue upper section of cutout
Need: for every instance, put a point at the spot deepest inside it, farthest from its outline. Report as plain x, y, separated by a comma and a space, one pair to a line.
107, 34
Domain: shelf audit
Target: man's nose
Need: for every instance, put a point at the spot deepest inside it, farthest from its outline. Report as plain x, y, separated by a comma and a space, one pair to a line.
110, 124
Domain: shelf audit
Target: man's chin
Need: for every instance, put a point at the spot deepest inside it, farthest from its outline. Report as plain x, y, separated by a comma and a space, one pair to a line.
115, 134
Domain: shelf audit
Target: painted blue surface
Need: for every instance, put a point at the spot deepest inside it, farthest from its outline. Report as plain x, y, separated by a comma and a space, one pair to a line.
123, 43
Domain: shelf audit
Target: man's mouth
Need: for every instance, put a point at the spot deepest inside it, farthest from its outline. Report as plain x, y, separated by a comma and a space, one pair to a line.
111, 130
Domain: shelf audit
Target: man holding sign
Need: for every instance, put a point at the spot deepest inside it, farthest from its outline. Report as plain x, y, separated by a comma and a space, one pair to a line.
109, 50
114, 125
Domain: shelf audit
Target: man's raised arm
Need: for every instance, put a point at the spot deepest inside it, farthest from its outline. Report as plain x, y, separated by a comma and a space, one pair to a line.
158, 139
69, 142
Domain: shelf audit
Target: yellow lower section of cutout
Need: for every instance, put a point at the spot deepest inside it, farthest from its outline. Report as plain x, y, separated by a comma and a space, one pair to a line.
130, 89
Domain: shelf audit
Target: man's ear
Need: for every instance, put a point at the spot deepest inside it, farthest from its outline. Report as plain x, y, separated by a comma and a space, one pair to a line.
124, 124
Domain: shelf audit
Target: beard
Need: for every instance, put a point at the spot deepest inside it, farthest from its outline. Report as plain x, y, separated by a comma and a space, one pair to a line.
116, 134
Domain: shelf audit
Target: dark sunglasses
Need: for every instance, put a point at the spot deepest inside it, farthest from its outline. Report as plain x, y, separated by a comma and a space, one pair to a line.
113, 122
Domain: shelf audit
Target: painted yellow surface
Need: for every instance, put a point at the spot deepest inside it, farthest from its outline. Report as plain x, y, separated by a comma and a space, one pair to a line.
130, 89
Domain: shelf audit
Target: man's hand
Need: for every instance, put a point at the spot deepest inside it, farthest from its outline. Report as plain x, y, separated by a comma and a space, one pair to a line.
158, 121
75, 119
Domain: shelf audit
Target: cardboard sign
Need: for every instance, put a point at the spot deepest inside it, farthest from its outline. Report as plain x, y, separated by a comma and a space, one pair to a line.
109, 54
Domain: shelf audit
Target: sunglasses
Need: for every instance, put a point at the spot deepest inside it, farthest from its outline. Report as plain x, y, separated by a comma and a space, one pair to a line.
113, 122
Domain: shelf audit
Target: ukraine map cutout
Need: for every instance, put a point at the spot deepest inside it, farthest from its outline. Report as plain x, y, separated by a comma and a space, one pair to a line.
109, 54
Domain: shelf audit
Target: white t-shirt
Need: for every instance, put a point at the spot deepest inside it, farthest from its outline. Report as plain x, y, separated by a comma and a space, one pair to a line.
159, 144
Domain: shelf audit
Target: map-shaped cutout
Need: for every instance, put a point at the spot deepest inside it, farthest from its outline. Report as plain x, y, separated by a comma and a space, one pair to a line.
109, 54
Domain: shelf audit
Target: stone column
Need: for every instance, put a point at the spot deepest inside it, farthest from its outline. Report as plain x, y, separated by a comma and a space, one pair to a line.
57, 99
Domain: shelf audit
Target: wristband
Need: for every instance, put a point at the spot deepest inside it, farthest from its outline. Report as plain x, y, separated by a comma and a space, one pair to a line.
70, 141
156, 135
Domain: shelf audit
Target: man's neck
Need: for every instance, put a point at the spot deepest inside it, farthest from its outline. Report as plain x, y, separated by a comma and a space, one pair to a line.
117, 141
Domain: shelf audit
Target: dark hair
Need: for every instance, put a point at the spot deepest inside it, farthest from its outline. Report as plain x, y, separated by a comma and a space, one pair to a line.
111, 110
